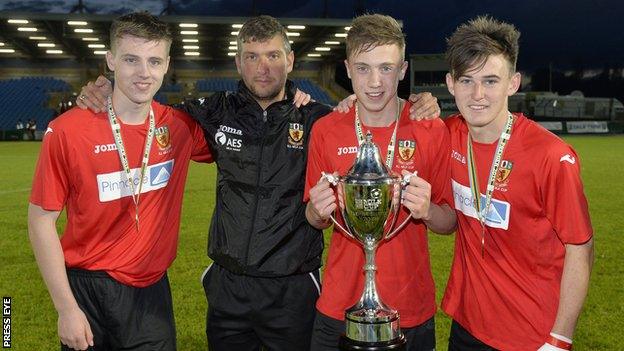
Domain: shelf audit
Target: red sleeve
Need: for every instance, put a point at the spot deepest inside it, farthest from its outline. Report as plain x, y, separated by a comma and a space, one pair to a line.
316, 163
201, 152
51, 180
440, 161
563, 197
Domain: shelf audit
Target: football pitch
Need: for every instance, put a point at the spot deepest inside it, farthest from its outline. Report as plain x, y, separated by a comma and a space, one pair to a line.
34, 320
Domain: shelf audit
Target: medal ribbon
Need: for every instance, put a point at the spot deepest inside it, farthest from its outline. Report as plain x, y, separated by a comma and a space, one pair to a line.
483, 208
360, 134
116, 128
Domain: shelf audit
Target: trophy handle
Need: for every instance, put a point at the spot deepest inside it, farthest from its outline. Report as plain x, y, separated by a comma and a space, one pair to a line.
333, 180
341, 227
406, 179
397, 229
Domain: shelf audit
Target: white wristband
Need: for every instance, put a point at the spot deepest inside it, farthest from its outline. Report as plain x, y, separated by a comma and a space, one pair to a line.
549, 347
561, 337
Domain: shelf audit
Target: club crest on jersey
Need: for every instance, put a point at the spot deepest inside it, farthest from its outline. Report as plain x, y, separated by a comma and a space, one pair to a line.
406, 149
163, 138
295, 135
502, 175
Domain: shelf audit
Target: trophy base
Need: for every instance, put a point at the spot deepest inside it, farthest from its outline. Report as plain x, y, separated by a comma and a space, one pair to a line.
398, 344
372, 326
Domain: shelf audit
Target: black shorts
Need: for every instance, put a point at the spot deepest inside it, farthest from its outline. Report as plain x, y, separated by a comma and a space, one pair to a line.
251, 313
461, 340
327, 332
123, 317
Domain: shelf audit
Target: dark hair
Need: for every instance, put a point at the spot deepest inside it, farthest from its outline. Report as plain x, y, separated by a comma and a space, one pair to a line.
139, 24
473, 42
262, 29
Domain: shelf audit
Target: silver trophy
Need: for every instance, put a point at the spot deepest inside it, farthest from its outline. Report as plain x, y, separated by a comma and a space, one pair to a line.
370, 200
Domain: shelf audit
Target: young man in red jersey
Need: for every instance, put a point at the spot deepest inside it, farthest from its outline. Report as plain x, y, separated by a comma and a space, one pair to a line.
375, 63
524, 249
120, 176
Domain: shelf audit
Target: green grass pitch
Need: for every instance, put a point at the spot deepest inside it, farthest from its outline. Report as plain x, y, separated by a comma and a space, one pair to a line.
34, 318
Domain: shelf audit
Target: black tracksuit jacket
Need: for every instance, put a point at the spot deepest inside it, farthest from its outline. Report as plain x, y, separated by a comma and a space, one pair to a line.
258, 226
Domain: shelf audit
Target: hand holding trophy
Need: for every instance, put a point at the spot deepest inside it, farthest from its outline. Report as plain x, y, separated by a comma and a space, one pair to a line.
370, 198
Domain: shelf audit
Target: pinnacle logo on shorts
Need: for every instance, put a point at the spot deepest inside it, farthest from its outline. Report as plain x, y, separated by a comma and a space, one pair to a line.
406, 149
498, 212
113, 186
295, 136
163, 138
502, 175
223, 138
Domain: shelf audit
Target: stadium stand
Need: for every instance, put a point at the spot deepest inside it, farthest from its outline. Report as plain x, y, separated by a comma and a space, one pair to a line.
314, 90
162, 98
171, 88
216, 84
27, 98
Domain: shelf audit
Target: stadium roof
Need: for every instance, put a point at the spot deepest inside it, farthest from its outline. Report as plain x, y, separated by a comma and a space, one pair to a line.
80, 36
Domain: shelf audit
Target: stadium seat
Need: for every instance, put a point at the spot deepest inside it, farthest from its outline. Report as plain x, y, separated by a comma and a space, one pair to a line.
27, 98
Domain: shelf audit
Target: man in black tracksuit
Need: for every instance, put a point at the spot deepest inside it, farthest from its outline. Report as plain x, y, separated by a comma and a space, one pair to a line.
264, 282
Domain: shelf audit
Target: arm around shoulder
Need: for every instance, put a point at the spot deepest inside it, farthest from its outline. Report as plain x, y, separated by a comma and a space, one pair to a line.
202, 109
315, 110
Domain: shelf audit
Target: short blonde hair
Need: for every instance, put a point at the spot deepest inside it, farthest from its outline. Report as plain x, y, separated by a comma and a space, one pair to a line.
139, 24
369, 31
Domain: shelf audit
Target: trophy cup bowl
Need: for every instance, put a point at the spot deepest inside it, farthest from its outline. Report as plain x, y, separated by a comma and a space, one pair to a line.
370, 195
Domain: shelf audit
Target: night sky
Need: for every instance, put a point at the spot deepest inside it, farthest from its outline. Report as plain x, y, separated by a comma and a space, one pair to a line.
568, 35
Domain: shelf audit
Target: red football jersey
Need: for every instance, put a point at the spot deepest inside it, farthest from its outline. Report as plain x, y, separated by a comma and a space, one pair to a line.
404, 278
508, 297
79, 169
